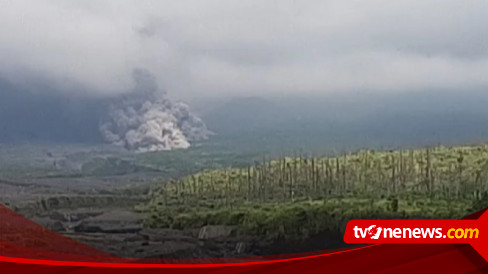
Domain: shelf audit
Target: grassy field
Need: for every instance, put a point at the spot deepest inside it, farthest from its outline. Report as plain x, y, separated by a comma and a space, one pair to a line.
300, 196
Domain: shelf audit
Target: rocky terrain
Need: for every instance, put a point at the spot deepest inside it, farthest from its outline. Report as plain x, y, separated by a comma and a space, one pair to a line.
90, 194
99, 213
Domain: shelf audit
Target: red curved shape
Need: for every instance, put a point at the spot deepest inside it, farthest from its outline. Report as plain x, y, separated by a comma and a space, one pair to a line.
149, 265
27, 246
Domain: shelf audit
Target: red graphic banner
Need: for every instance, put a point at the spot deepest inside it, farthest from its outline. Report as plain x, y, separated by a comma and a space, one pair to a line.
473, 232
28, 247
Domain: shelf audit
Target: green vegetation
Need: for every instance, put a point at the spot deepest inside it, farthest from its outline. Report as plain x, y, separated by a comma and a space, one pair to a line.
303, 196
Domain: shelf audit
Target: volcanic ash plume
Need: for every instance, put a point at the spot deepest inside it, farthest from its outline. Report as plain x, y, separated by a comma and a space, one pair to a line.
146, 120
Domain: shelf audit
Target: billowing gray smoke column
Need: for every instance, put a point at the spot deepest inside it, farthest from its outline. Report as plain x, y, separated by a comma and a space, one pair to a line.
146, 120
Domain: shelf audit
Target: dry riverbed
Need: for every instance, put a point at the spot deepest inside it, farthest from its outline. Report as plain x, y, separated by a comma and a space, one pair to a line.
100, 213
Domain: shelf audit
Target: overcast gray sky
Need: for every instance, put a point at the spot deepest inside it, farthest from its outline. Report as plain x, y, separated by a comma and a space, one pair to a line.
197, 47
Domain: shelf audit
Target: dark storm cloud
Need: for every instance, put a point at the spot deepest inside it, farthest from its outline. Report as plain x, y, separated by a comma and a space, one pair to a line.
234, 47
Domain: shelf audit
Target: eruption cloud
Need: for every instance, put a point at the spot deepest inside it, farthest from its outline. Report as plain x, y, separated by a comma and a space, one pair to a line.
147, 120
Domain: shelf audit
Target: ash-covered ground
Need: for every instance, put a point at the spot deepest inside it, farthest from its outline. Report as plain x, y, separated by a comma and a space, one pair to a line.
90, 194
